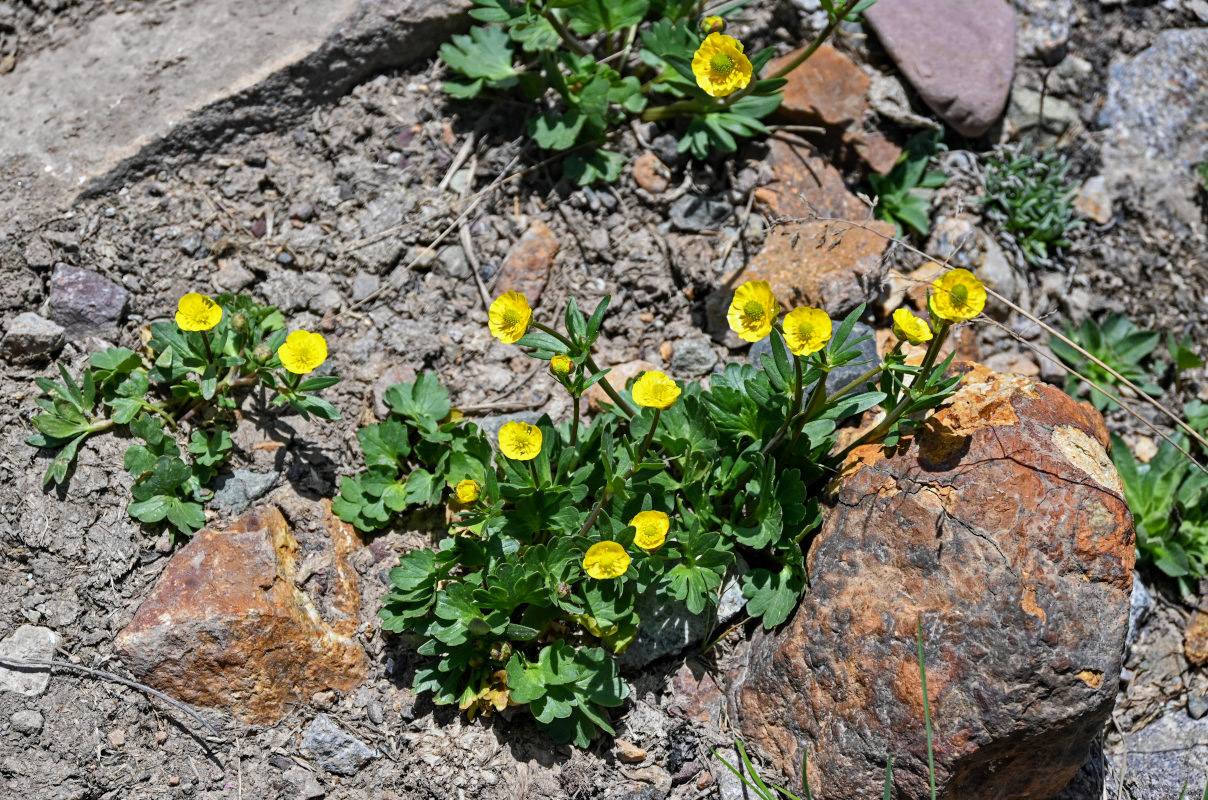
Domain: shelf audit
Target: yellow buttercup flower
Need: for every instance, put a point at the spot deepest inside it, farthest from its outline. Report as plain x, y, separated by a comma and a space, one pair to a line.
509, 317
651, 529
806, 330
605, 560
720, 66
467, 491
909, 328
753, 310
560, 365
519, 440
303, 352
197, 312
958, 296
713, 24
655, 390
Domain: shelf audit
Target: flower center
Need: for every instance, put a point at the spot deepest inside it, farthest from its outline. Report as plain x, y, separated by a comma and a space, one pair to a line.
510, 317
721, 64
753, 310
805, 330
960, 294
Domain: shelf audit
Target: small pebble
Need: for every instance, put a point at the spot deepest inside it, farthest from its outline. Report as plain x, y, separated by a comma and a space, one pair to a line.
28, 722
630, 753
161, 737
117, 737
376, 713
174, 781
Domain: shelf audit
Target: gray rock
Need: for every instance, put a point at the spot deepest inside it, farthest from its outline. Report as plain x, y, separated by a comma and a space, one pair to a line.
453, 262
1153, 115
1139, 608
84, 302
1024, 114
364, 285
695, 213
1044, 29
38, 254
31, 338
193, 245
693, 358
1166, 753
958, 54
842, 376
335, 749
668, 627
27, 643
729, 785
1197, 705
241, 488
304, 782
27, 722
233, 277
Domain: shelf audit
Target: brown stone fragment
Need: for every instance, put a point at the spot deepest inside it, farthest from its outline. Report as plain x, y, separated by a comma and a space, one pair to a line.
618, 376
824, 264
629, 753
527, 265
1195, 639
828, 89
228, 626
651, 173
1003, 526
805, 185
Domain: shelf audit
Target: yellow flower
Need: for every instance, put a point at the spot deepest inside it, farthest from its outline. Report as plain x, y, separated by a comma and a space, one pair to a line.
509, 317
467, 491
720, 66
655, 390
753, 310
958, 296
606, 560
909, 328
303, 352
197, 312
560, 365
806, 330
519, 440
712, 24
651, 527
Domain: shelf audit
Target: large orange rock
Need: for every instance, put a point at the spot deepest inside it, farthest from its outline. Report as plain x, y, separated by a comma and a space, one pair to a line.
1004, 526
527, 265
805, 185
228, 625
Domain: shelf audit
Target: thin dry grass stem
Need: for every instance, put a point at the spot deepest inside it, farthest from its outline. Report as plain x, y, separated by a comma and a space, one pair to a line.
1178, 421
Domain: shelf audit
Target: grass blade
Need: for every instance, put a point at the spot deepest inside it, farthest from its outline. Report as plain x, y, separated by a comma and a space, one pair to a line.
926, 706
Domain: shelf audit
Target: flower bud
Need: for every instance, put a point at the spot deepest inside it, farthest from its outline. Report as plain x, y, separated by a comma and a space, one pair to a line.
712, 24
501, 651
239, 321
563, 590
467, 492
560, 366
262, 354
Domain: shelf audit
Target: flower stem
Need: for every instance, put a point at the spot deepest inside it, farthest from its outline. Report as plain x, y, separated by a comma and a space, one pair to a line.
825, 34
637, 459
678, 108
571, 41
205, 339
794, 407
646, 442
591, 364
574, 422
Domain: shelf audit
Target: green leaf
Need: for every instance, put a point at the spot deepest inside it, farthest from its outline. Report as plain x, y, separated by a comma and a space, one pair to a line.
599, 165
384, 444
484, 56
772, 596
557, 131
424, 402
595, 16
116, 360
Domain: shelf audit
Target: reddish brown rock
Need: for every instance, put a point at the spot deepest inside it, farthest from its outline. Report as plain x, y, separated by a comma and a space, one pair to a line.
828, 89
805, 185
1195, 639
527, 265
651, 173
228, 625
1004, 527
824, 264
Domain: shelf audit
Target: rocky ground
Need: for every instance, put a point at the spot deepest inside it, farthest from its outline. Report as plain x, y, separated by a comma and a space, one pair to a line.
362, 212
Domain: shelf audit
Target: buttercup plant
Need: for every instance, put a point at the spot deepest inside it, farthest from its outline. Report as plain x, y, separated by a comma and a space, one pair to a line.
559, 529
191, 371
595, 64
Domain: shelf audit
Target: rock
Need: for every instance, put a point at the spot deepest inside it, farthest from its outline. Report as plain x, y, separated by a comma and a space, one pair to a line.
303, 212
1165, 754
695, 695
668, 627
1195, 639
651, 174
335, 749
693, 358
823, 264
226, 626
958, 54
1023, 114
84, 302
364, 284
116, 738
1094, 201
1197, 705
629, 753
804, 185
304, 782
696, 213
618, 376
232, 276
1145, 449
1003, 526
453, 262
31, 338
241, 488
38, 254
27, 722
1013, 364
66, 120
1044, 29
1139, 609
1154, 118
27, 643
527, 265
828, 89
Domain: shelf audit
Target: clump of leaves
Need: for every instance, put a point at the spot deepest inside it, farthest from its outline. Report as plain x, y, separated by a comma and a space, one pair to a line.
588, 66
1183, 355
514, 606
1118, 343
1031, 200
903, 197
180, 377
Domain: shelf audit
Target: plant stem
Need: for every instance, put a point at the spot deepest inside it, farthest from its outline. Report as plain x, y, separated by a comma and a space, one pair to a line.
574, 422
595, 511
630, 35
816, 398
794, 407
646, 442
158, 409
926, 705
205, 339
671, 110
571, 41
533, 471
839, 16
591, 364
